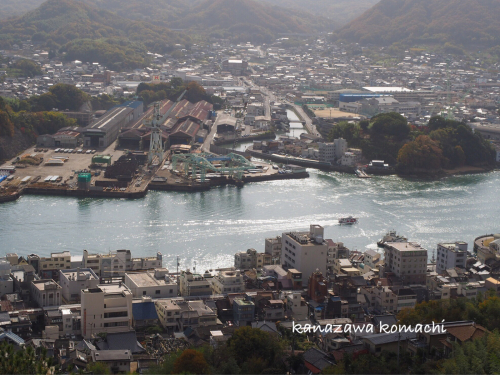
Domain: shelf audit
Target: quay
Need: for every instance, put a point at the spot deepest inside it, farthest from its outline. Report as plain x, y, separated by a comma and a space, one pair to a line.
129, 177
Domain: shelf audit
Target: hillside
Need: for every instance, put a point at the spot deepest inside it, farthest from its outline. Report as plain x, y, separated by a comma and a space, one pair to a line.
16, 8
248, 20
340, 12
108, 38
461, 22
158, 12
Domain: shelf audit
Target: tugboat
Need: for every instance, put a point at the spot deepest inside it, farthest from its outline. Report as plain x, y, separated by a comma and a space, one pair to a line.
391, 236
348, 220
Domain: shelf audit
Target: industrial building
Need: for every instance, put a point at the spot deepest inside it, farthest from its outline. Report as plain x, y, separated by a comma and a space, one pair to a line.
104, 131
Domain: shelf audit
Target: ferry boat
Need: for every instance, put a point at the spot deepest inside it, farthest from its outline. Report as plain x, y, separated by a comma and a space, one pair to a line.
348, 220
391, 236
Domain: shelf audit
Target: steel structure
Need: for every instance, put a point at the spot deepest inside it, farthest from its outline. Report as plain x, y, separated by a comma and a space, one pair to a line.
156, 146
232, 165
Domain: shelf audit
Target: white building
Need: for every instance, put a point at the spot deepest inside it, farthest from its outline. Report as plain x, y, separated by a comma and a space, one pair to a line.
106, 308
193, 284
407, 260
451, 255
116, 263
157, 284
296, 306
6, 282
305, 251
350, 158
272, 247
46, 292
332, 151
228, 282
73, 281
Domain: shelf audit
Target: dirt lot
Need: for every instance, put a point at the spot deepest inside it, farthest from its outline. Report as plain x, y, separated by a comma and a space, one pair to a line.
334, 113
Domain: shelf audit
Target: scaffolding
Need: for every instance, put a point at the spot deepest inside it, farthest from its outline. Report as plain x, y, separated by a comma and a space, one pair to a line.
232, 165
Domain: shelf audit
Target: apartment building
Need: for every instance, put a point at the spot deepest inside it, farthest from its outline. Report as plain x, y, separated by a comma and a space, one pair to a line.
329, 152
406, 260
116, 263
177, 315
46, 292
381, 298
272, 247
243, 311
251, 259
48, 267
73, 281
228, 282
155, 284
296, 306
451, 255
305, 251
106, 308
193, 284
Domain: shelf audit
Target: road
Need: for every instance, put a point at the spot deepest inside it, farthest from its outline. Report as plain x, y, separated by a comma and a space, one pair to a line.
309, 125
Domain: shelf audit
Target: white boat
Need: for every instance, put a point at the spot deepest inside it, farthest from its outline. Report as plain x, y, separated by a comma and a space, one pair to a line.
348, 220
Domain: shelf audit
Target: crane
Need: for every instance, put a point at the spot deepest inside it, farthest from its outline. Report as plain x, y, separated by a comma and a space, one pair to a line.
154, 122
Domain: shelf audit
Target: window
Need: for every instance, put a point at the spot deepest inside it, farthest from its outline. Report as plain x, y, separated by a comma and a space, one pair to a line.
157, 292
144, 293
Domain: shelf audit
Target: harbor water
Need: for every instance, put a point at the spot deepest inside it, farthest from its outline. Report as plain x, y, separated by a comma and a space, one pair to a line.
209, 227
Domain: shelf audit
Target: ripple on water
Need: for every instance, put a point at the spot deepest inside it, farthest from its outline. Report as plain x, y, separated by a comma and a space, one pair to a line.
210, 227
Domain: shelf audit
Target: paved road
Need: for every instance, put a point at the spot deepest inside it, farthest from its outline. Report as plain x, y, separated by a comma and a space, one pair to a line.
309, 125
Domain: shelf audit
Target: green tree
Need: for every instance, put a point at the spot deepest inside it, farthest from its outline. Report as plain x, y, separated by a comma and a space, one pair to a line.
98, 368
423, 153
191, 361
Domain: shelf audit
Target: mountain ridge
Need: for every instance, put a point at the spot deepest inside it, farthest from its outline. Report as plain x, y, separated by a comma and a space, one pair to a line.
462, 22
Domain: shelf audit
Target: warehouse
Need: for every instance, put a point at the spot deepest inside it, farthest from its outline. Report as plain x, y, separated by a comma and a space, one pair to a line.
105, 131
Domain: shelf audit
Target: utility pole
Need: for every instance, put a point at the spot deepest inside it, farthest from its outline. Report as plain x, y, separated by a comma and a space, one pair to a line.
177, 266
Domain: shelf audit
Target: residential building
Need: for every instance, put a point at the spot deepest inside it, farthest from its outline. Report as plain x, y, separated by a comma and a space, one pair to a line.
73, 281
273, 248
243, 311
305, 251
228, 282
407, 261
116, 263
6, 281
251, 259
48, 267
106, 308
193, 284
330, 152
46, 292
177, 315
118, 361
451, 255
156, 284
296, 306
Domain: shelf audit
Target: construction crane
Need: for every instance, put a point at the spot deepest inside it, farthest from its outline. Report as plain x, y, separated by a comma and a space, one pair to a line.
156, 146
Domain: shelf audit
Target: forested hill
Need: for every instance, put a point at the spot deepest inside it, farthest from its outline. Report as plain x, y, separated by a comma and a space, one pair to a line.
248, 20
339, 12
468, 23
58, 23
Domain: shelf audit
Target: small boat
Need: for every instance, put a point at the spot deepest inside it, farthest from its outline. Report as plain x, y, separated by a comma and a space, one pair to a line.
348, 220
391, 236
